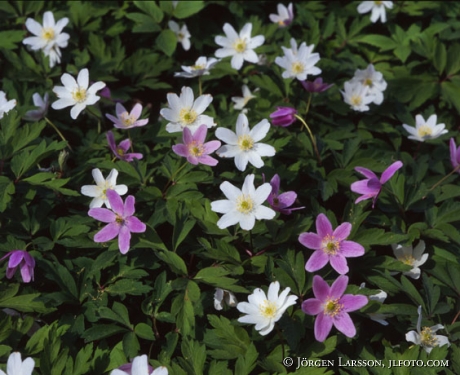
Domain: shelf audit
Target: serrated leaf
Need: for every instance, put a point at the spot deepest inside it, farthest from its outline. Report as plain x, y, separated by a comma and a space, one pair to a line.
102, 331
186, 9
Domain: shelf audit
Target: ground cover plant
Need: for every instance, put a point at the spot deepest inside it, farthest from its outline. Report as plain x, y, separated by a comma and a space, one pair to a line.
229, 187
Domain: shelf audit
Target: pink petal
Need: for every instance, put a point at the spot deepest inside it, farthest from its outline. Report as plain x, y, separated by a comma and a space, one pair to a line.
16, 258
339, 286
102, 214
339, 263
351, 249
342, 231
317, 261
111, 142
208, 160
345, 325
275, 183
180, 149
135, 225
287, 199
453, 152
187, 136
109, 232
124, 239
323, 325
312, 306
115, 201
200, 134
323, 226
119, 109
320, 288
351, 302
27, 273
390, 171
129, 206
368, 187
125, 145
211, 146
193, 159
310, 240
366, 172
136, 111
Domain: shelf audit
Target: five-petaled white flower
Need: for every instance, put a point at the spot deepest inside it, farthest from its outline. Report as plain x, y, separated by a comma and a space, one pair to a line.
426, 337
285, 15
357, 95
5, 104
243, 145
76, 93
15, 365
49, 38
243, 206
182, 34
185, 112
240, 102
201, 68
425, 129
377, 8
298, 62
374, 80
98, 191
42, 105
239, 46
412, 257
265, 310
224, 297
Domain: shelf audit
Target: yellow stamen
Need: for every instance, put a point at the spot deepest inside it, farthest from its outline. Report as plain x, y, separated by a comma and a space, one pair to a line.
268, 309
368, 82
240, 46
79, 95
330, 245
187, 116
196, 149
120, 151
126, 119
427, 337
356, 100
245, 142
119, 220
332, 307
198, 67
424, 130
297, 67
408, 259
244, 204
48, 34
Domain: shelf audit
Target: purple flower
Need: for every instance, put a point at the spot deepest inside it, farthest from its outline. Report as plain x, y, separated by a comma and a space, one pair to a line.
120, 150
316, 86
372, 185
125, 120
330, 246
332, 307
283, 116
194, 148
23, 260
454, 155
281, 202
120, 219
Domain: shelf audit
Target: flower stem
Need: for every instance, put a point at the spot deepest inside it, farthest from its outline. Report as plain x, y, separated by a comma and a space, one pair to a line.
312, 137
200, 88
442, 179
59, 133
171, 179
250, 241
308, 103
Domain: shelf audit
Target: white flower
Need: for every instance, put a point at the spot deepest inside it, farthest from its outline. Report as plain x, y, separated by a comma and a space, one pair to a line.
284, 16
265, 311
240, 47
426, 337
98, 191
140, 366
379, 297
49, 38
201, 68
412, 257
243, 145
425, 129
374, 80
222, 297
377, 7
15, 366
298, 62
243, 206
240, 102
42, 104
185, 112
357, 95
5, 104
182, 33
76, 93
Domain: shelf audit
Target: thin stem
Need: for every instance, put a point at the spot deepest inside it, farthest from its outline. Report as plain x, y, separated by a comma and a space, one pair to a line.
250, 241
312, 137
171, 179
130, 140
59, 133
308, 103
200, 88
442, 179
136, 167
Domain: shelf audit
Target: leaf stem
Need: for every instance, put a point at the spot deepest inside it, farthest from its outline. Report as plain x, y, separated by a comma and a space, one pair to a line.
59, 133
442, 179
312, 137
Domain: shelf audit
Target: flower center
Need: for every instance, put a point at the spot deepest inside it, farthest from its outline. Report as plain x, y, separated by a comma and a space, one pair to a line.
196, 149
424, 131
180, 36
120, 151
427, 337
240, 46
332, 307
187, 116
48, 34
268, 309
244, 204
356, 100
408, 259
79, 95
126, 119
378, 2
245, 142
276, 201
330, 245
281, 23
119, 220
368, 82
297, 67
198, 67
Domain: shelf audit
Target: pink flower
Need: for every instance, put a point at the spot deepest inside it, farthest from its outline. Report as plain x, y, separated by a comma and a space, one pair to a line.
330, 246
283, 116
281, 202
194, 148
316, 86
125, 120
120, 219
23, 260
372, 185
120, 150
454, 155
332, 307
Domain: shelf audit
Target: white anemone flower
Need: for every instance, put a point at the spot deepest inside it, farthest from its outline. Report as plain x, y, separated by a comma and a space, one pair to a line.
76, 93
424, 130
224, 297
49, 38
243, 145
357, 95
42, 105
98, 191
298, 62
201, 68
426, 337
240, 102
182, 34
377, 8
285, 15
15, 365
184, 111
265, 310
240, 46
374, 80
379, 297
243, 206
412, 257
5, 104
140, 366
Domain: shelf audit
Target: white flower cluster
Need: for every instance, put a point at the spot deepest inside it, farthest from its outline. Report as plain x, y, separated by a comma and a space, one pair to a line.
366, 87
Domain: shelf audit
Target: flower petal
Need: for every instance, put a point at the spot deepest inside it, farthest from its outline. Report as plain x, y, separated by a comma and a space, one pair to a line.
345, 325
323, 226
316, 261
109, 232
124, 239
310, 240
390, 171
323, 325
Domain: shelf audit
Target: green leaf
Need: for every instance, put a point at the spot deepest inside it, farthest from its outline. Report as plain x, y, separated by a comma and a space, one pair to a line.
151, 9
175, 262
10, 39
377, 236
440, 57
25, 303
144, 23
194, 356
383, 42
247, 362
7, 188
131, 344
123, 287
181, 230
167, 42
186, 9
102, 331
144, 331
411, 291
453, 62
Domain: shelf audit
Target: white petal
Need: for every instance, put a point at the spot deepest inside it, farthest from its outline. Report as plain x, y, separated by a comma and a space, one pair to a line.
230, 191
